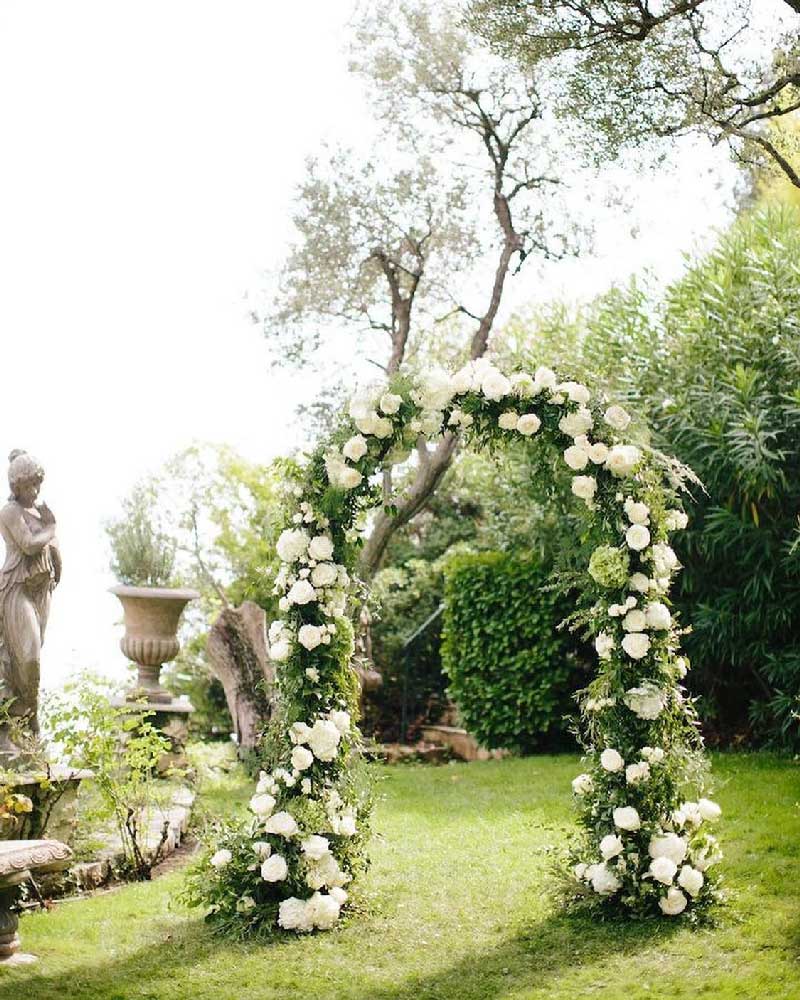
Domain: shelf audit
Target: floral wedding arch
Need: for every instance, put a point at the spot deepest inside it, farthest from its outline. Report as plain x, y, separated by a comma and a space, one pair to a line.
644, 848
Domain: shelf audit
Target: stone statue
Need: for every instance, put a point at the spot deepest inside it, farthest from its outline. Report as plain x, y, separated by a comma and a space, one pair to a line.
31, 571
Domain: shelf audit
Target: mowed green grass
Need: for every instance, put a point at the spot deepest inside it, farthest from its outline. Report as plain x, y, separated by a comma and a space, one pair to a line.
457, 907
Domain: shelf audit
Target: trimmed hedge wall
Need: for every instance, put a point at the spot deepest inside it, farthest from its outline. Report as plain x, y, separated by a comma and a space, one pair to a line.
512, 674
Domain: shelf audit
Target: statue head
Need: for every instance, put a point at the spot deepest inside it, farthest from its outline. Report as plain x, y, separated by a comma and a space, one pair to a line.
25, 475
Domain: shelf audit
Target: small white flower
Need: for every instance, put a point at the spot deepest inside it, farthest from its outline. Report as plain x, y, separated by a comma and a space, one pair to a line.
673, 903
302, 758
663, 870
691, 880
610, 846
315, 848
668, 845
654, 754
634, 620
658, 616
639, 582
324, 739
577, 423
638, 513
617, 417
576, 392
356, 448
604, 644
637, 537
636, 645
623, 459
598, 452
320, 548
528, 424
604, 881
390, 403
494, 385
709, 810
635, 774
309, 636
584, 487
274, 869
262, 805
324, 574
312, 674
626, 818
301, 592
508, 420
580, 870
611, 760
646, 701
292, 545
341, 720
664, 560
282, 824
544, 378
583, 784
675, 520
221, 858
576, 458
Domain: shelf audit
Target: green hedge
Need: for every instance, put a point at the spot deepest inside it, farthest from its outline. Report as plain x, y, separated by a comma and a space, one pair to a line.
512, 674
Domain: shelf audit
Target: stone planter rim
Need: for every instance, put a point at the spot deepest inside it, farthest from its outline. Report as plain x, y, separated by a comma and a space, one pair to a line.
162, 593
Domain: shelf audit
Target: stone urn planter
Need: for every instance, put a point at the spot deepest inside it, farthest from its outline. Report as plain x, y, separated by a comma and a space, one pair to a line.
151, 634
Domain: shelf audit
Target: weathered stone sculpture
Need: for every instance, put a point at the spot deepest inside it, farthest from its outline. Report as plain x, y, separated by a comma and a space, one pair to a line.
29, 575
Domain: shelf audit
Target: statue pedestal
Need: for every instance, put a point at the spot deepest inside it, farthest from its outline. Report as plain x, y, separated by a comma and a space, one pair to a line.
54, 795
171, 718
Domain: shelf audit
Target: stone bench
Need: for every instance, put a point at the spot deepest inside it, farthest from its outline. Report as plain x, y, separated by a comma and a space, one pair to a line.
19, 860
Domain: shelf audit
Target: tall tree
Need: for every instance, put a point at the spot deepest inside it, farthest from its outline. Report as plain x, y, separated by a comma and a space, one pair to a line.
635, 69
407, 253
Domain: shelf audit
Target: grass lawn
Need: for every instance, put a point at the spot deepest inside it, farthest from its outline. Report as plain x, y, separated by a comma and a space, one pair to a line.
457, 907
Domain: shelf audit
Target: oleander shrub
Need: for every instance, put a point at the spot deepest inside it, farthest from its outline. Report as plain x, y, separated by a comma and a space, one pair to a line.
512, 673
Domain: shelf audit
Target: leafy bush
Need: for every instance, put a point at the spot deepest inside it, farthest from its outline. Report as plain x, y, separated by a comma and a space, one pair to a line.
142, 553
511, 672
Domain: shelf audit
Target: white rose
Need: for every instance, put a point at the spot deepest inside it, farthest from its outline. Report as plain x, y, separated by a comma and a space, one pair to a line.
709, 810
279, 651
575, 424
583, 784
324, 910
221, 858
576, 392
262, 805
274, 869
299, 732
346, 827
309, 636
603, 880
320, 548
295, 915
324, 739
262, 849
691, 880
508, 420
637, 513
691, 813
637, 773
528, 424
302, 758
640, 583
324, 574
522, 384
636, 645
355, 449
654, 754
637, 537
342, 476
315, 848
668, 845
576, 458
390, 403
664, 559
292, 545
544, 378
282, 824
623, 459
462, 381
626, 818
617, 417
580, 870
323, 872
301, 593
658, 616
611, 760
598, 452
663, 870
341, 720
675, 520
646, 701
494, 385
634, 621
604, 644
610, 846
584, 487
673, 903
339, 894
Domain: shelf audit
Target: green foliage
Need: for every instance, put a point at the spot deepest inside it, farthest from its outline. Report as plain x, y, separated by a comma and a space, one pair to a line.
142, 553
121, 748
511, 673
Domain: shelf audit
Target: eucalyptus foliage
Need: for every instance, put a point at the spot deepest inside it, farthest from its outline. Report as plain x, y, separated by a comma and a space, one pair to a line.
306, 839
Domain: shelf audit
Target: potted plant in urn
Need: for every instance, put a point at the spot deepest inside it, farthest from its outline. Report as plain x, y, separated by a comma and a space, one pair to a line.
143, 560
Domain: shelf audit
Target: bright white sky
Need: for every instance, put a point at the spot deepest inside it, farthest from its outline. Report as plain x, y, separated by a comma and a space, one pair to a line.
150, 153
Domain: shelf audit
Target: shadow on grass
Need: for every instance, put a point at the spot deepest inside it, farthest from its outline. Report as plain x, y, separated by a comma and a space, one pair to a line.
535, 957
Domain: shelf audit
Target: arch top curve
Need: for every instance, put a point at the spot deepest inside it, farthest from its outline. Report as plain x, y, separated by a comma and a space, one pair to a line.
642, 848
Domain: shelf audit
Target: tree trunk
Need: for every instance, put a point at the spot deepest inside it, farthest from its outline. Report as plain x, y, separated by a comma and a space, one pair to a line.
238, 657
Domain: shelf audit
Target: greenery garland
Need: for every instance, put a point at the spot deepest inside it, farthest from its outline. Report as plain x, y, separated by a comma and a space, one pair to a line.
645, 849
